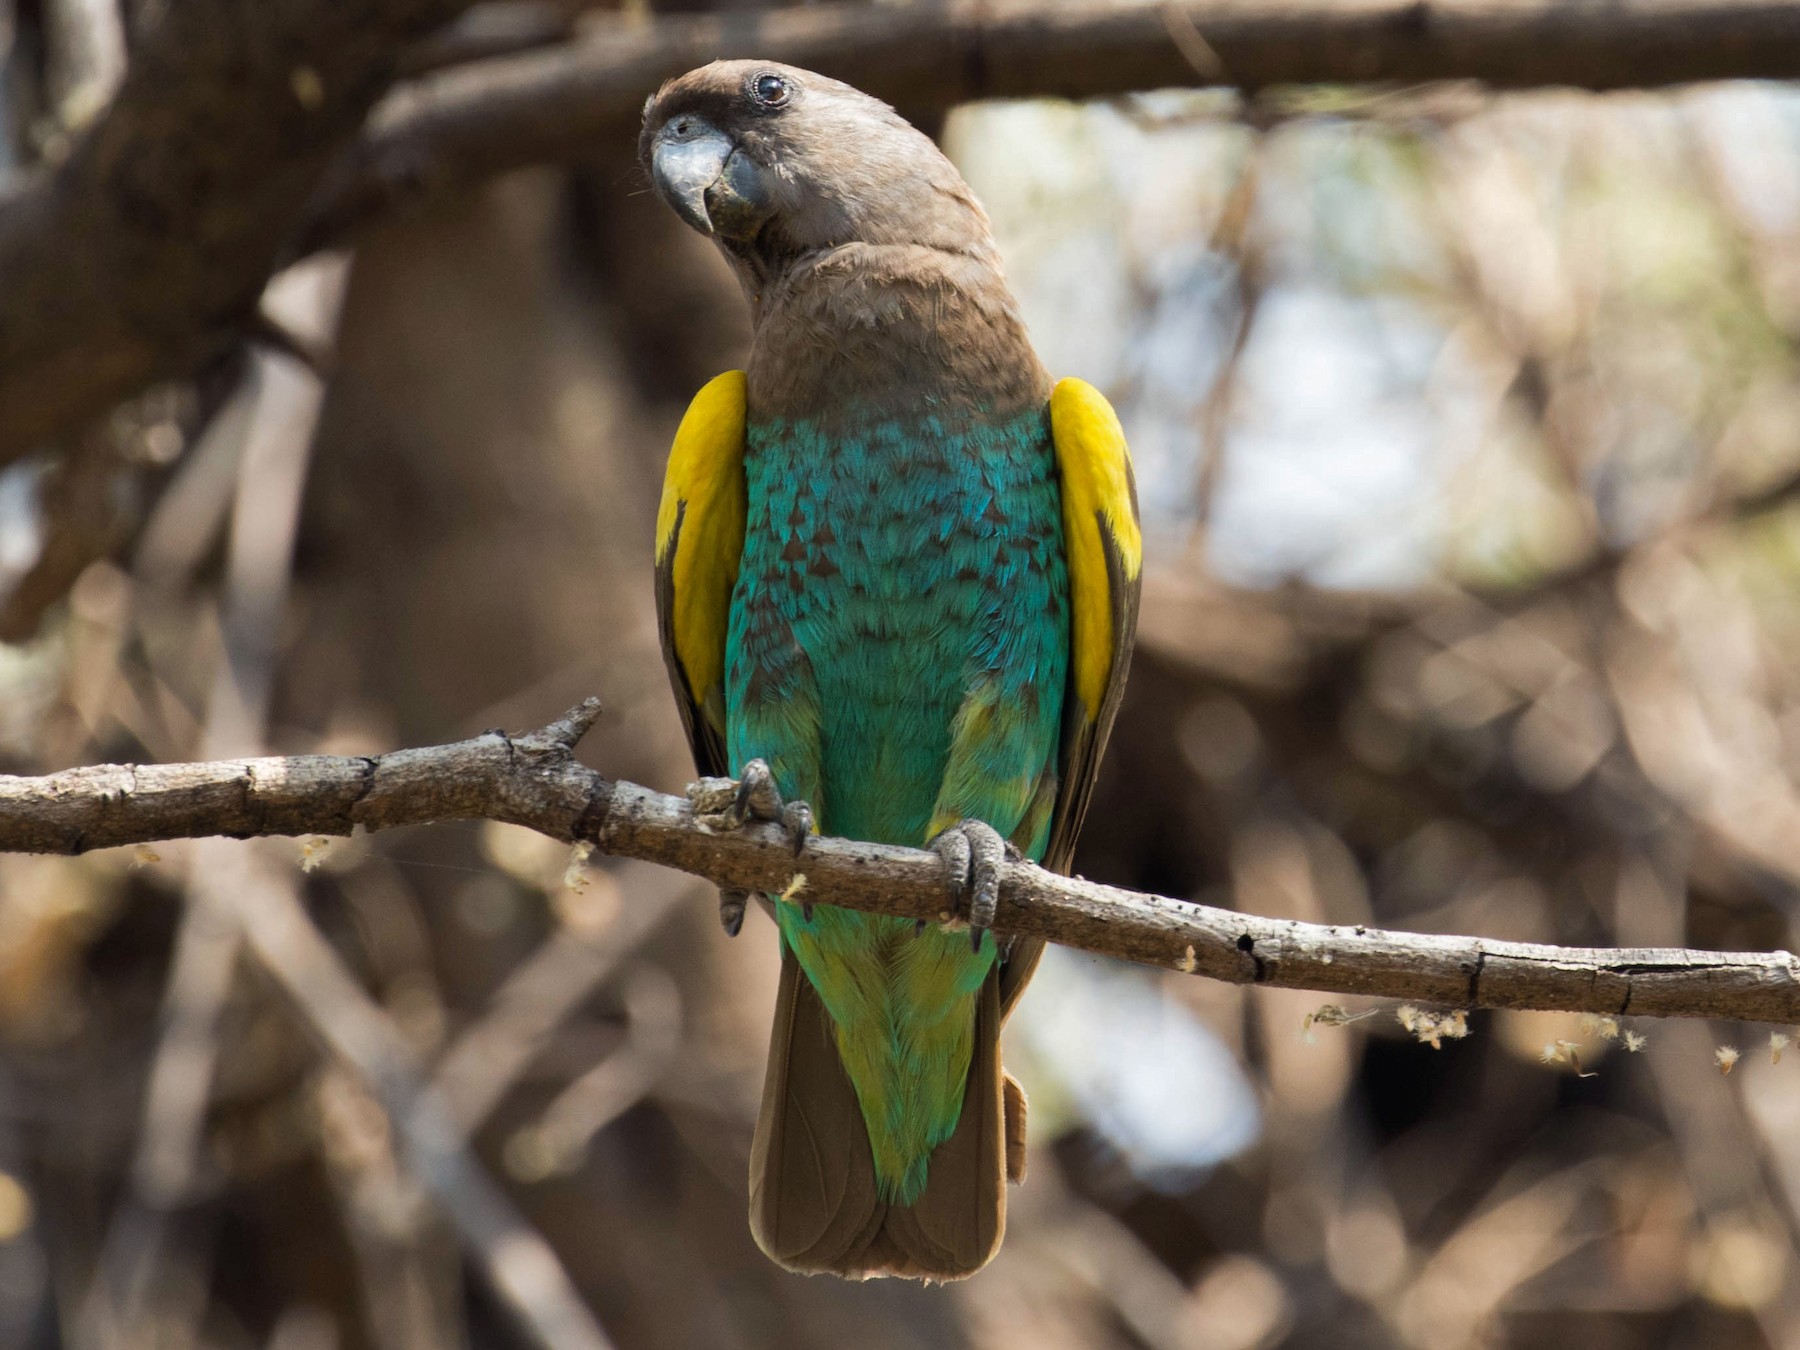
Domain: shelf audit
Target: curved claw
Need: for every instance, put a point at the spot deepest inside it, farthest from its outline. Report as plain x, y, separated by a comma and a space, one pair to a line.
759, 799
757, 796
732, 903
798, 818
973, 853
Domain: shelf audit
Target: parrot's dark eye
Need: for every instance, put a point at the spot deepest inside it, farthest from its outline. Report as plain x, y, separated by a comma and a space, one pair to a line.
770, 90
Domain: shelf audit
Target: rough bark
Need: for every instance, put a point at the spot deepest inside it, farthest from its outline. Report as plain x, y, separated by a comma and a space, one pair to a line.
534, 780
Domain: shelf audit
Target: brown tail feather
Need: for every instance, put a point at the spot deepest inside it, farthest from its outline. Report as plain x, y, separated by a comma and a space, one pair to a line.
1013, 1099
814, 1203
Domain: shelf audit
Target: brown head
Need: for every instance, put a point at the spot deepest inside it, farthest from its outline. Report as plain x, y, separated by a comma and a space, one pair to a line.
775, 163
856, 240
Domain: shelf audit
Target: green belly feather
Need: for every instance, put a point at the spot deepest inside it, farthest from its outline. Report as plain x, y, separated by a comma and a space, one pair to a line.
898, 651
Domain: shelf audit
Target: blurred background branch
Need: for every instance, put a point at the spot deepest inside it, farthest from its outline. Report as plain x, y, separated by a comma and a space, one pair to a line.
554, 102
132, 1288
133, 257
99, 249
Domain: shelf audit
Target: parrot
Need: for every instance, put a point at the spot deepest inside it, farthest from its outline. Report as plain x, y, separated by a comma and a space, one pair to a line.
897, 575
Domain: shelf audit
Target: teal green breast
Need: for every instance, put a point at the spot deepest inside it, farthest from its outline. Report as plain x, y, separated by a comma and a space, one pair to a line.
890, 571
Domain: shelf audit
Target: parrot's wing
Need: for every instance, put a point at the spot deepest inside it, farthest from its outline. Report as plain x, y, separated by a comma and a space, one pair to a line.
1105, 554
699, 540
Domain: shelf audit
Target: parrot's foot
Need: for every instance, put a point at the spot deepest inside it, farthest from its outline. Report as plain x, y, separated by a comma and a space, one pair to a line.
721, 804
759, 799
973, 853
730, 804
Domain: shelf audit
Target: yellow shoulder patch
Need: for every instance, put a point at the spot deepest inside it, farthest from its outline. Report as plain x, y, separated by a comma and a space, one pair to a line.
700, 531
1099, 502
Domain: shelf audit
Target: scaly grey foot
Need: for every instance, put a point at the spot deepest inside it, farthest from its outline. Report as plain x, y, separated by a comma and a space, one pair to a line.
753, 797
973, 853
759, 799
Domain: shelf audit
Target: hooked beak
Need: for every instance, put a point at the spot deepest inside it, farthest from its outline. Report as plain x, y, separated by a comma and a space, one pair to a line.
686, 159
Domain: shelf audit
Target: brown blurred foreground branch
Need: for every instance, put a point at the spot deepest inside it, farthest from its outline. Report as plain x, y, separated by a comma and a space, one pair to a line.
535, 781
138, 255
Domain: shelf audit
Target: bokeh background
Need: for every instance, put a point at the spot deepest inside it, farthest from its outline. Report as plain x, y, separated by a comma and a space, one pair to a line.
1467, 431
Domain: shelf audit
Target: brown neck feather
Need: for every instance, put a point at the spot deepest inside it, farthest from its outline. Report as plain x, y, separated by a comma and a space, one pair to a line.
865, 329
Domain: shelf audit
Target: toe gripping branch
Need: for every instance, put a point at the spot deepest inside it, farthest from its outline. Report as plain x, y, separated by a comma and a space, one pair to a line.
973, 854
757, 798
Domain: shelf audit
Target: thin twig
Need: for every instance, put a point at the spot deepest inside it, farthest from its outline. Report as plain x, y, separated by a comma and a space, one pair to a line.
85, 57
478, 1068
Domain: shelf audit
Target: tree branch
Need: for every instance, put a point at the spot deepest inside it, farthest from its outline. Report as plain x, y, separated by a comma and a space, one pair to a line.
233, 143
534, 780
132, 260
559, 103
